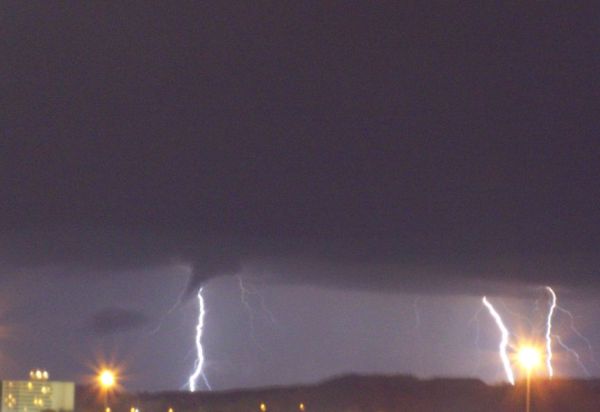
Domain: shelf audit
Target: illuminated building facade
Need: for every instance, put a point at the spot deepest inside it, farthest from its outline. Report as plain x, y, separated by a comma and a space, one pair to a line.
37, 394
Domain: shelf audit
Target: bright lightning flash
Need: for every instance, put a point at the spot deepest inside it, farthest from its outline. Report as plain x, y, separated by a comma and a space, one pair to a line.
503, 342
549, 331
198, 371
549, 337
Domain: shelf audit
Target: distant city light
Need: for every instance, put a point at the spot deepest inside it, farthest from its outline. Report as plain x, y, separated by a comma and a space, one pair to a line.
38, 374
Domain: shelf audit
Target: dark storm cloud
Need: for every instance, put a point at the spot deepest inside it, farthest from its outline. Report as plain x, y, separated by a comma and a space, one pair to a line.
368, 146
116, 320
374, 264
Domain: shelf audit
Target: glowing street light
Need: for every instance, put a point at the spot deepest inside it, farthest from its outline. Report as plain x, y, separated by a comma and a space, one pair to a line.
107, 380
263, 407
529, 358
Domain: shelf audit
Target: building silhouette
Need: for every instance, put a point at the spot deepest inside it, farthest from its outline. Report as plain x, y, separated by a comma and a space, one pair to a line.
37, 394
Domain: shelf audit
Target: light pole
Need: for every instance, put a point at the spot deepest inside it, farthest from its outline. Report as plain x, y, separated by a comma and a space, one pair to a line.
529, 357
106, 380
528, 392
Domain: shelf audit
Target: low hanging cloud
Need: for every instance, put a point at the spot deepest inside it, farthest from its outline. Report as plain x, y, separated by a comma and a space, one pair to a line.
376, 265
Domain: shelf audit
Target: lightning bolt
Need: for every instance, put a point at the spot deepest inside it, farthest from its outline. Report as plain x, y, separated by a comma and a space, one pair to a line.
247, 291
549, 332
554, 307
503, 342
475, 320
198, 372
573, 353
549, 336
578, 333
417, 313
419, 335
244, 292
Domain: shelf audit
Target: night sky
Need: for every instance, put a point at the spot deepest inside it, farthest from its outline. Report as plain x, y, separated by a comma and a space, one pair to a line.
368, 171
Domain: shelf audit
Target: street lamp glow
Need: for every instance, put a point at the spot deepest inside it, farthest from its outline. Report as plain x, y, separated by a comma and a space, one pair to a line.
529, 357
107, 379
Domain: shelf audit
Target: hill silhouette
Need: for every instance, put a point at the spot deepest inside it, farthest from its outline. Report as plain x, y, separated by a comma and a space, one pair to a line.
354, 393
